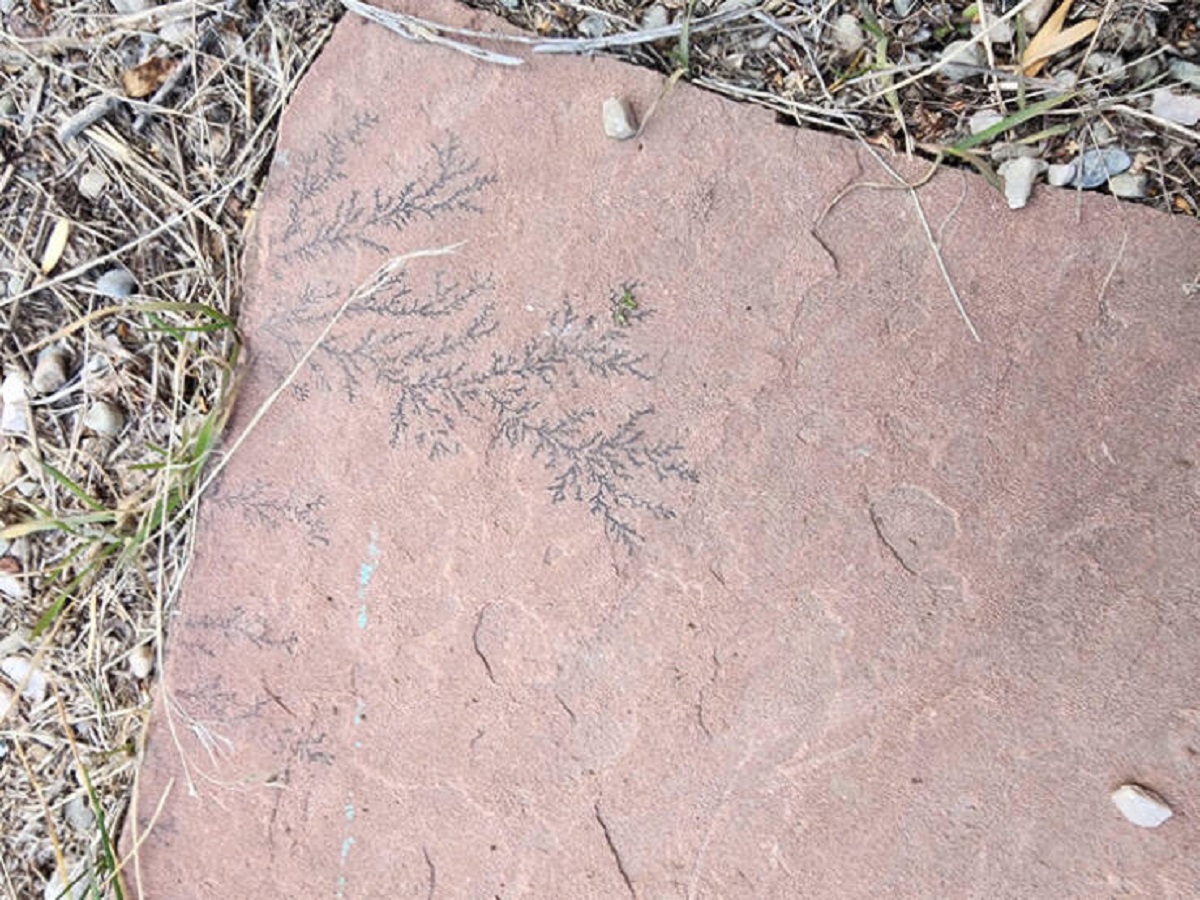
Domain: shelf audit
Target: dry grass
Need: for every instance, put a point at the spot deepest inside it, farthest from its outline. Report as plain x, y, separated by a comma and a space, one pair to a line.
95, 528
92, 539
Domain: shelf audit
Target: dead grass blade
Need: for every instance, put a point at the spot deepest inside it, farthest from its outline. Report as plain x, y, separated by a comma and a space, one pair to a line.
1052, 38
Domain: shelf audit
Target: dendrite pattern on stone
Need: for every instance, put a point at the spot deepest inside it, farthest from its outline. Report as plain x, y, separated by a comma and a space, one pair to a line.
266, 506
437, 346
450, 181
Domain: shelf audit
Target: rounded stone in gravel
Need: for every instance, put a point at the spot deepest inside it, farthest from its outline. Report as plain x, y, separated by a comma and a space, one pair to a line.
1095, 167
50, 373
847, 34
655, 17
117, 283
1060, 175
104, 418
21, 671
983, 120
961, 58
141, 661
1183, 109
1019, 175
1128, 185
93, 182
1141, 806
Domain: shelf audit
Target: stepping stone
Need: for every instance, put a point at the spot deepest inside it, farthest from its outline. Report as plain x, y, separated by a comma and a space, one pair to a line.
673, 536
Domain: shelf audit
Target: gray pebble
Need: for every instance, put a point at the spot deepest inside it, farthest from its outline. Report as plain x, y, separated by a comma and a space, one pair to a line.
1005, 150
1060, 175
593, 26
847, 35
79, 813
93, 182
620, 123
1018, 175
1183, 109
982, 121
117, 283
50, 373
655, 17
1099, 63
104, 419
961, 58
1128, 185
1095, 167
1187, 72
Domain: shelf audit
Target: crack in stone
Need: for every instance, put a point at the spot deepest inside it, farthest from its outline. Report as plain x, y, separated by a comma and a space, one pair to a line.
612, 848
432, 873
479, 650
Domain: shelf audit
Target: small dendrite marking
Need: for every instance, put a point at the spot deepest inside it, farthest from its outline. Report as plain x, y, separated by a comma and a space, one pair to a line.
323, 220
438, 352
435, 348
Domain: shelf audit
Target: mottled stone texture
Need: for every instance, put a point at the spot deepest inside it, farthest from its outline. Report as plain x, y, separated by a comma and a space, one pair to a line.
655, 544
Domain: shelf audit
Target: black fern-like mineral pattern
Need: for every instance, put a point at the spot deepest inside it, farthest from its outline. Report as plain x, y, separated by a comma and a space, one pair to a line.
325, 217
265, 506
440, 354
438, 349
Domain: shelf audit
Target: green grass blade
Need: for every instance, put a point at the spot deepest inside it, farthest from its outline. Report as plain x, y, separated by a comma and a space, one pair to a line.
79, 493
1009, 122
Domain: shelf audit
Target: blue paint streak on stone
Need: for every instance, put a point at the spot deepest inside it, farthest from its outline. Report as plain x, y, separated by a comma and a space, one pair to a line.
366, 571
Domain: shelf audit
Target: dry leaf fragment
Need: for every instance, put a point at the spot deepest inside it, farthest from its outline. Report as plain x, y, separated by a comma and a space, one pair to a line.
55, 246
1052, 39
147, 77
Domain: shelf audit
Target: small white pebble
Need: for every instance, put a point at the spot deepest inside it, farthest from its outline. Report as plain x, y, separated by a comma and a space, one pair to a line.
7, 699
998, 32
10, 468
1128, 185
117, 283
620, 123
92, 183
1183, 109
1035, 12
1103, 63
593, 26
12, 586
655, 17
1141, 806
1060, 175
19, 669
847, 34
51, 371
1018, 175
1064, 81
79, 813
14, 395
961, 58
1185, 71
178, 32
75, 889
104, 418
983, 120
141, 661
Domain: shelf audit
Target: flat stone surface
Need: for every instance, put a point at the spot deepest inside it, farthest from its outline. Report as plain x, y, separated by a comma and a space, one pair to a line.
667, 541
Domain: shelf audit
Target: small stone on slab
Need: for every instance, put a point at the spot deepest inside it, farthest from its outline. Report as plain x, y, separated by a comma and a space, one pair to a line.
620, 123
1141, 806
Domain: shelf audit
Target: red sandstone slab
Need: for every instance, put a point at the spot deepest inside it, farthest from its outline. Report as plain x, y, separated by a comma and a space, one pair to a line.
648, 545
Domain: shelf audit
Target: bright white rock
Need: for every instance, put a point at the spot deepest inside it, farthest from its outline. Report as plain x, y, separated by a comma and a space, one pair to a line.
1141, 806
